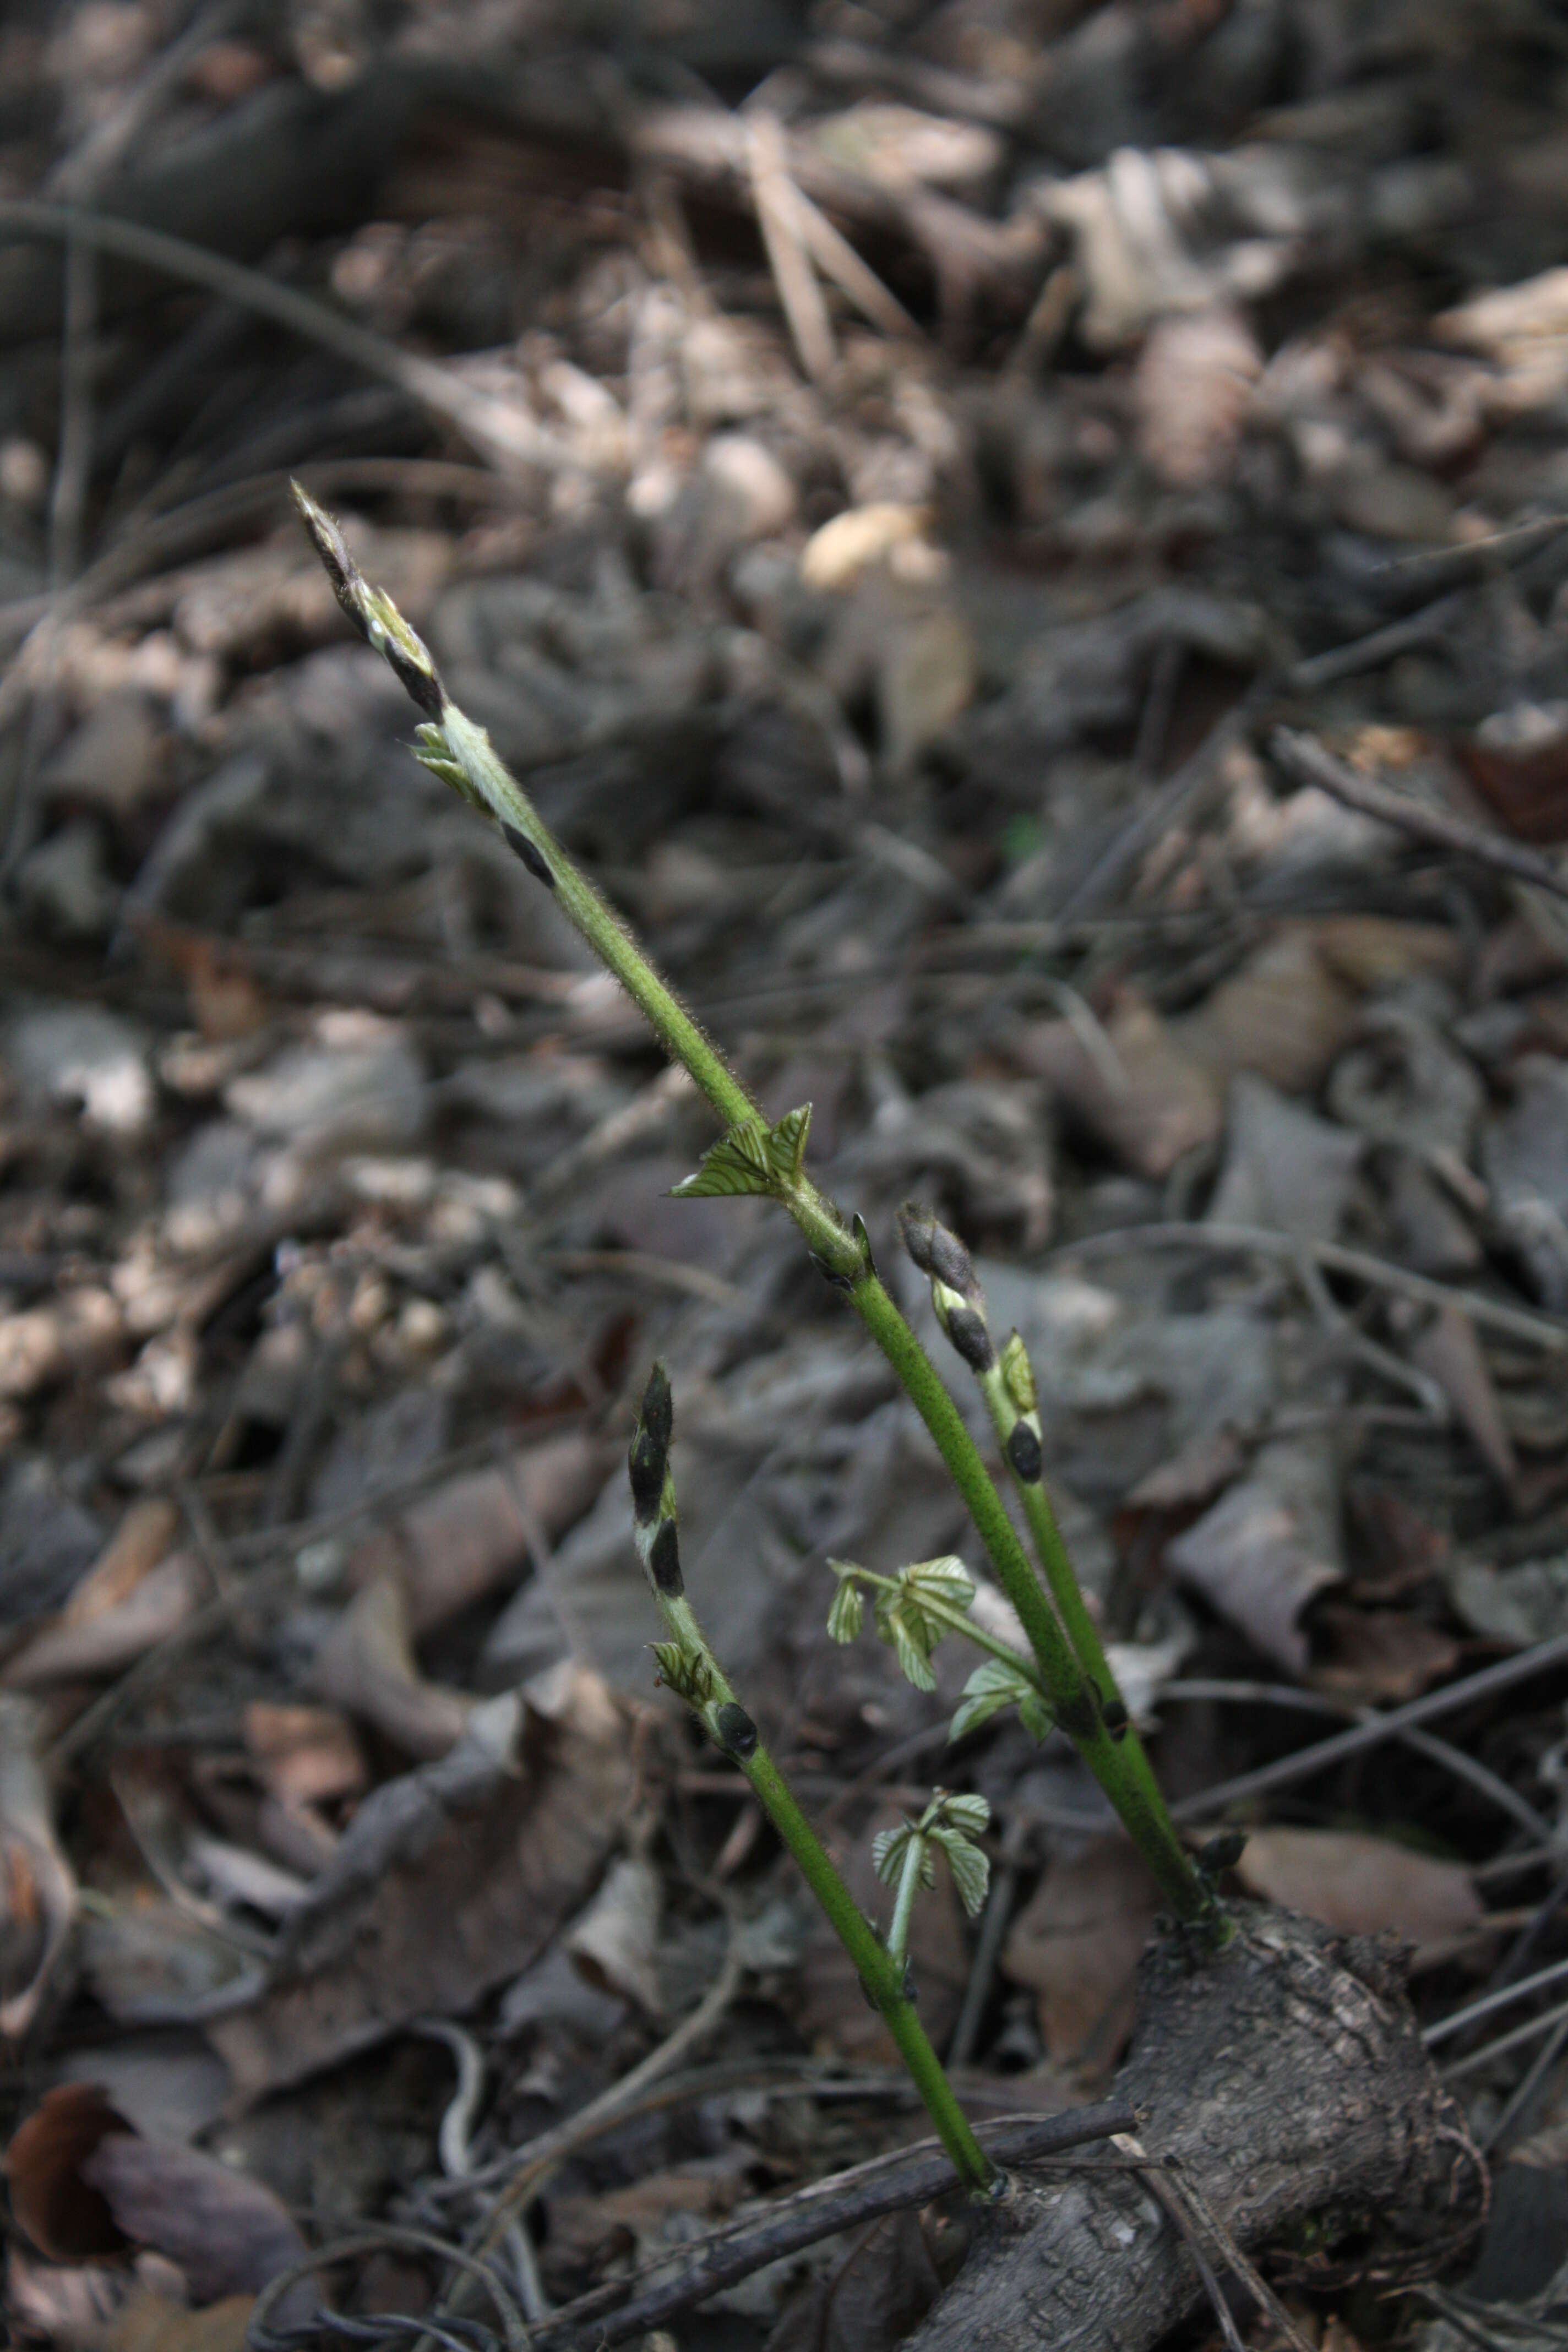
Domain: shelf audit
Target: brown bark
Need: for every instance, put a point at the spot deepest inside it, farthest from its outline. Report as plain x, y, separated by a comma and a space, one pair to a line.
1287, 2080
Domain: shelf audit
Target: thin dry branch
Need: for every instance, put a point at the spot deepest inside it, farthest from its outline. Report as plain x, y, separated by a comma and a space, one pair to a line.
627, 2307
1310, 764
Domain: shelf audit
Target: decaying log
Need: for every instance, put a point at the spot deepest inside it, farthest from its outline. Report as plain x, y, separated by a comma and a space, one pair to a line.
1286, 2079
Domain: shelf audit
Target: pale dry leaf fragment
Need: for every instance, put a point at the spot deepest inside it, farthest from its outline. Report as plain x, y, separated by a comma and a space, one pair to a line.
65, 2217
1191, 390
615, 1944
880, 140
73, 2306
1076, 1945
367, 1666
840, 550
448, 1882
228, 2233
304, 1754
1268, 1544
39, 1346
1381, 1656
150, 2322
1284, 1167
1285, 1015
101, 1643
1518, 1606
1361, 1885
927, 670
1450, 1352
38, 1888
1146, 1098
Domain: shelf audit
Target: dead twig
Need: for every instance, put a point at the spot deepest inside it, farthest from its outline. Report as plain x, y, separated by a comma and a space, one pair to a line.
775, 196
1310, 764
1374, 1729
625, 2307
1541, 1330
498, 432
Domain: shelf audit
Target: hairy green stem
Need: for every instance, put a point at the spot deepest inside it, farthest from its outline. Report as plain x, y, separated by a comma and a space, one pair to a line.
1025, 1467
688, 1665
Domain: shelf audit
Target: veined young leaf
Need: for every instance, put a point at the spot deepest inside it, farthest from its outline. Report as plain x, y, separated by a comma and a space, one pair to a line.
911, 1635
970, 1868
737, 1163
1018, 1373
888, 1848
993, 1685
946, 1580
686, 1672
847, 1614
786, 1143
904, 1620
970, 1815
750, 1158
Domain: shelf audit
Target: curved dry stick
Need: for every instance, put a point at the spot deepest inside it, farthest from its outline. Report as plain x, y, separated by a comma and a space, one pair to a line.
628, 2306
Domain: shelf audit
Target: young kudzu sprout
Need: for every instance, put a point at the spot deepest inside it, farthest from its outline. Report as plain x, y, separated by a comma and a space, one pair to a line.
687, 1664
904, 1859
912, 1612
754, 1157
1006, 1382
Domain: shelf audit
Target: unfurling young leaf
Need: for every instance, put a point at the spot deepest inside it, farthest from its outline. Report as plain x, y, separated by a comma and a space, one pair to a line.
993, 1685
904, 1620
969, 1815
847, 1613
911, 1637
971, 1870
948, 1821
889, 1849
750, 1158
686, 1672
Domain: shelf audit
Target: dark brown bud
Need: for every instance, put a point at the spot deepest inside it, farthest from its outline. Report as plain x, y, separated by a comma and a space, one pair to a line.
664, 1561
736, 1730
1222, 1853
937, 1251
648, 1458
968, 1332
1024, 1457
519, 844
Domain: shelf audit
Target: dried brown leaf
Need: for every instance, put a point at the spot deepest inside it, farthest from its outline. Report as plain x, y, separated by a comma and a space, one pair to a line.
1191, 389
1361, 1885
1381, 1656
304, 1754
1145, 1097
458, 1542
103, 1640
446, 1882
228, 2232
367, 1666
1450, 1352
1285, 1015
66, 2216
150, 2322
1076, 1945
37, 1889
1268, 1544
